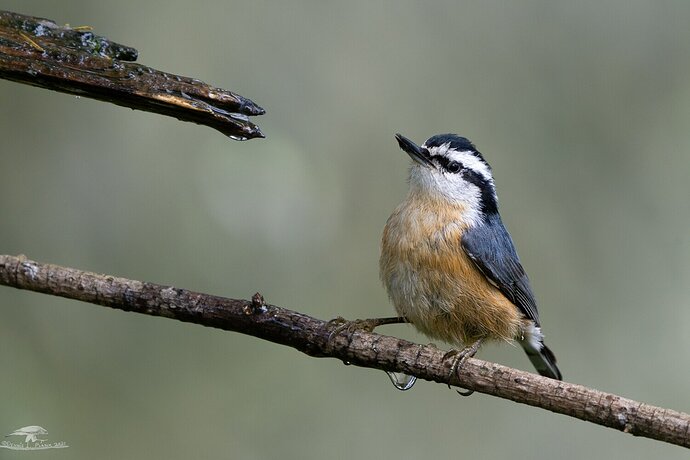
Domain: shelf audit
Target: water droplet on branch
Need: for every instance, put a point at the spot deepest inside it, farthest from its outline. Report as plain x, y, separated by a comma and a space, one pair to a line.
402, 382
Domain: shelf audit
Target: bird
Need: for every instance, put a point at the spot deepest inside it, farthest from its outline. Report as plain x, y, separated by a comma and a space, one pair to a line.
447, 261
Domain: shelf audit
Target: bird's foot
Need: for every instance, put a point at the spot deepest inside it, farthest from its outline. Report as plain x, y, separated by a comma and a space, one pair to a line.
401, 381
459, 357
340, 324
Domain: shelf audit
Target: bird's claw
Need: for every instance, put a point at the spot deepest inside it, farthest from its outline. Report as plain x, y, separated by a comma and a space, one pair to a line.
340, 325
459, 357
367, 325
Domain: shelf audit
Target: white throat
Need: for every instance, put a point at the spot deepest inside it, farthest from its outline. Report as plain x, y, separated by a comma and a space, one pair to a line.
434, 185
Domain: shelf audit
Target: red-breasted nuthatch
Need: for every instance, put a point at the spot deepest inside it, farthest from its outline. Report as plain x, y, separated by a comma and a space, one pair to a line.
448, 263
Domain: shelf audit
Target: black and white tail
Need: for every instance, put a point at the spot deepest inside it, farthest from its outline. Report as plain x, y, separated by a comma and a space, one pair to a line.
542, 358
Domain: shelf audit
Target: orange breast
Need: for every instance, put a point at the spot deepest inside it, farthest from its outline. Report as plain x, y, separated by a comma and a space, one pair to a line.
434, 284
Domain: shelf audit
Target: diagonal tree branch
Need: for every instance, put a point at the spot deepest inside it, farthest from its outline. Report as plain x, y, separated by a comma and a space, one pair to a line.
311, 336
38, 52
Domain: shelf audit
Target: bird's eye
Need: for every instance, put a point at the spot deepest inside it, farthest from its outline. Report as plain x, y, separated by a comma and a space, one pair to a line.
454, 167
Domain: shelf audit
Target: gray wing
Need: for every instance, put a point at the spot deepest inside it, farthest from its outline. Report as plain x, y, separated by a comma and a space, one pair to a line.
491, 249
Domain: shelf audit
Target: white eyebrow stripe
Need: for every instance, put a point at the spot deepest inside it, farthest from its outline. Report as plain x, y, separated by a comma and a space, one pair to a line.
470, 161
466, 157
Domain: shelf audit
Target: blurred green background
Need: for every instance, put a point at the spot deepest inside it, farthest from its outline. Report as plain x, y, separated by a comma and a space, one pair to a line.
582, 108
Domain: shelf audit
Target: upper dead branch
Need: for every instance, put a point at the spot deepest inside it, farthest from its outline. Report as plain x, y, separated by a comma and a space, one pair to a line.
74, 60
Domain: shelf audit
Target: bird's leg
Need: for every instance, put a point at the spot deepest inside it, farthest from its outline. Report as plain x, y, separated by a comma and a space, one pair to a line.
459, 357
368, 325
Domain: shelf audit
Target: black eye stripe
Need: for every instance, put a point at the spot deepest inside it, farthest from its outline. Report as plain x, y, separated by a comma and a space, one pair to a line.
449, 165
474, 178
489, 203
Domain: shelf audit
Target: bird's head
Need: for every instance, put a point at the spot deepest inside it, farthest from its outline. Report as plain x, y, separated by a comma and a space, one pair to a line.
450, 167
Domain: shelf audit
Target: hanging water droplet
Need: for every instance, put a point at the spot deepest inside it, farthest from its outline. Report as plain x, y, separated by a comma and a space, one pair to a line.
402, 382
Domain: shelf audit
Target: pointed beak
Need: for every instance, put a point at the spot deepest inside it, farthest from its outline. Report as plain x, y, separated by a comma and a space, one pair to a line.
418, 154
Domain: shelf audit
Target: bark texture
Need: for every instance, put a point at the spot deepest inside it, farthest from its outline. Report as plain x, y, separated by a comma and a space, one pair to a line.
311, 336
